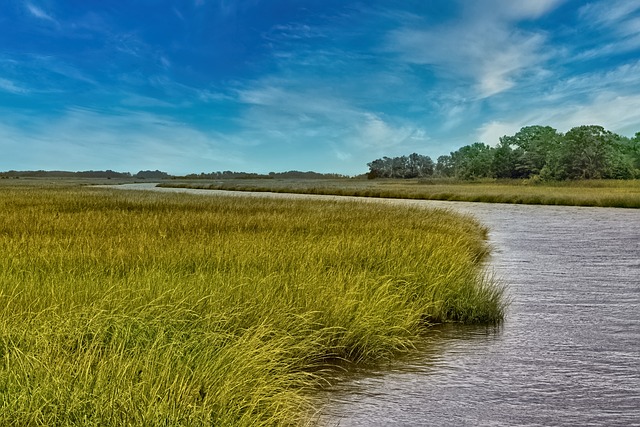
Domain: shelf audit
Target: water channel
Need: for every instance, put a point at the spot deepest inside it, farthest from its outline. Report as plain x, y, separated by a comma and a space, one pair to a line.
568, 353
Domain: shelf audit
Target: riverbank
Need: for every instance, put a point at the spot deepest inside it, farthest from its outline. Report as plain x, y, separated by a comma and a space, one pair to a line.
146, 308
597, 193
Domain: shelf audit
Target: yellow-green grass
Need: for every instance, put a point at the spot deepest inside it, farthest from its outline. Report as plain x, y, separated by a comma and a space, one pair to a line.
146, 309
602, 193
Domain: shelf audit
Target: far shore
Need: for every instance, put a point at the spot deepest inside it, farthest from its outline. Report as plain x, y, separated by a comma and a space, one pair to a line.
596, 193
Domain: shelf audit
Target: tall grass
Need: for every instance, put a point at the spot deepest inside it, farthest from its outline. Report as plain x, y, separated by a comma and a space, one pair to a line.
601, 193
147, 309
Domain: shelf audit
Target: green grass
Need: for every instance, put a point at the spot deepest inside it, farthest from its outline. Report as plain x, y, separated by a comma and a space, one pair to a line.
601, 193
136, 308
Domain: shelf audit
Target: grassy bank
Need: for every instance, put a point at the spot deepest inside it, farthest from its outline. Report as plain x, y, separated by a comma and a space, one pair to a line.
602, 193
135, 308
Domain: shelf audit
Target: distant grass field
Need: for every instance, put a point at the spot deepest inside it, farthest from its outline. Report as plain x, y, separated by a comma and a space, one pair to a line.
602, 193
138, 308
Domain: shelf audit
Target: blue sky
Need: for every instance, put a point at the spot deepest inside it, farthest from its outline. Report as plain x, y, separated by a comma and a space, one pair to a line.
324, 85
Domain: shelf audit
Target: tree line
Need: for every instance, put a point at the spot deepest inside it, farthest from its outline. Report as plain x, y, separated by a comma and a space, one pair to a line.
584, 152
143, 174
293, 174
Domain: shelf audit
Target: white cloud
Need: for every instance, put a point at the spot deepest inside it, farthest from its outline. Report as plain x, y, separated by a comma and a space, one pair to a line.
483, 46
301, 112
490, 133
630, 26
520, 9
39, 13
375, 134
296, 98
342, 155
621, 80
490, 58
617, 113
617, 23
611, 13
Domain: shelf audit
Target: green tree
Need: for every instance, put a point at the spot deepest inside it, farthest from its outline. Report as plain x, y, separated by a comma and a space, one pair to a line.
630, 148
412, 166
508, 162
589, 152
473, 161
535, 146
444, 167
419, 166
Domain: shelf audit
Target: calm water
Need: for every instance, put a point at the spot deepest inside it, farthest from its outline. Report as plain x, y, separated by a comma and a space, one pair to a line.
568, 353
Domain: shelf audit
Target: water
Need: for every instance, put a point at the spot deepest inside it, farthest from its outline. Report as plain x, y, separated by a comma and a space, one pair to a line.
568, 353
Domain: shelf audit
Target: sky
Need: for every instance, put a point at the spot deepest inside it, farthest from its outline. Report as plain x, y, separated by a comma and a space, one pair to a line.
190, 86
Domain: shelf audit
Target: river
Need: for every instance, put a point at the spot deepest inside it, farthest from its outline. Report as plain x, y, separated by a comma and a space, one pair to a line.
568, 353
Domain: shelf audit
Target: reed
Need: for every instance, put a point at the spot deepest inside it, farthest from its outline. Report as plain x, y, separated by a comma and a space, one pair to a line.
134, 308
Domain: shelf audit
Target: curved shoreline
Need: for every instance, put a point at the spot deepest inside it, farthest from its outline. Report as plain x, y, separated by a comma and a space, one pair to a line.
227, 310
594, 194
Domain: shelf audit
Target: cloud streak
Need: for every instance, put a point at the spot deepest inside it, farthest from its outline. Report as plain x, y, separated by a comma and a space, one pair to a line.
619, 113
39, 13
11, 87
482, 46
125, 140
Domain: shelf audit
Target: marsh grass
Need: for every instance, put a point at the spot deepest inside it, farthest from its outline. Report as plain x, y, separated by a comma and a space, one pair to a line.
600, 193
137, 308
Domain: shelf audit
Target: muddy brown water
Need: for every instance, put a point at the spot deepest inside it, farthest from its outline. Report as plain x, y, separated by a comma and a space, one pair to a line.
568, 353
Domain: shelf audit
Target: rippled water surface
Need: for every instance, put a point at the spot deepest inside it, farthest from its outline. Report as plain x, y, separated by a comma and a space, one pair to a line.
568, 353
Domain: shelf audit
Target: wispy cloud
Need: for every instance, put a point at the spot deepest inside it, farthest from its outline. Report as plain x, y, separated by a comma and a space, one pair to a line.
125, 140
294, 31
295, 98
615, 25
483, 45
53, 74
10, 86
515, 10
618, 113
619, 79
373, 133
39, 13
615, 14
299, 115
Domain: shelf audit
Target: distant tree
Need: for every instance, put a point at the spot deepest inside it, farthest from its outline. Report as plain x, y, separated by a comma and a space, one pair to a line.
630, 149
473, 161
376, 169
533, 147
588, 152
584, 152
507, 162
444, 167
412, 166
149, 174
